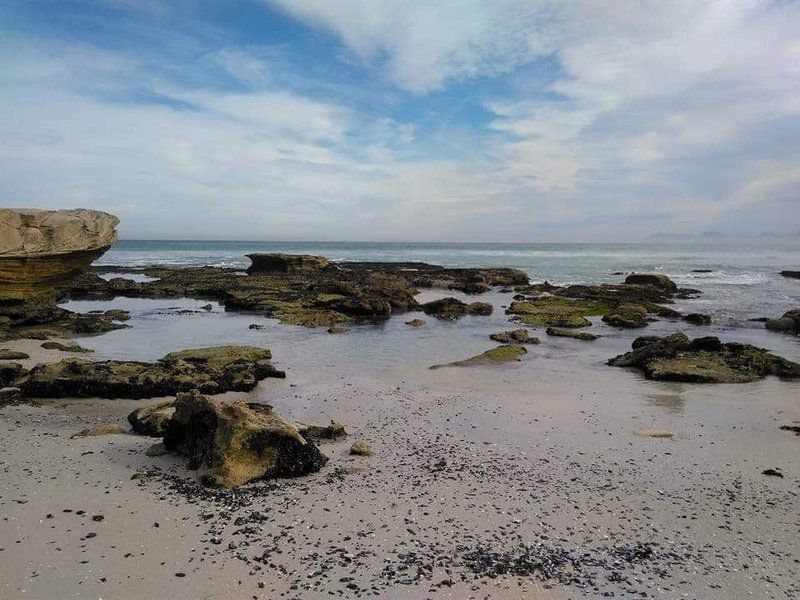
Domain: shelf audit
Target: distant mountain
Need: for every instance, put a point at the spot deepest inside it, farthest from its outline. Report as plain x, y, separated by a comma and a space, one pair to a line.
717, 235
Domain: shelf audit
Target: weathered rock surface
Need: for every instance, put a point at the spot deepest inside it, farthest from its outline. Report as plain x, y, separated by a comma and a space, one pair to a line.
10, 395
658, 280
557, 311
211, 370
515, 336
703, 360
571, 333
629, 316
285, 263
788, 323
334, 431
453, 308
151, 420
416, 322
233, 443
65, 347
6, 354
499, 355
42, 251
10, 372
697, 319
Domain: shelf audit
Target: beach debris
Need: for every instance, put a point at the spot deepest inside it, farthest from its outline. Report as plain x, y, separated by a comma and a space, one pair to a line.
498, 355
150, 420
211, 370
361, 448
230, 444
772, 473
107, 429
515, 336
793, 428
703, 360
571, 333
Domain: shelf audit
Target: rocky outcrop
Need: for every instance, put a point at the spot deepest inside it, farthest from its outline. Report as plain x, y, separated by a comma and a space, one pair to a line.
788, 323
697, 319
151, 420
557, 311
230, 444
571, 333
211, 370
515, 336
42, 251
703, 360
453, 308
628, 316
657, 280
285, 263
499, 355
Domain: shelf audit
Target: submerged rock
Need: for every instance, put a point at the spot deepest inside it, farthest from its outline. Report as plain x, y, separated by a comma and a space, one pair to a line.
151, 420
703, 360
211, 370
233, 443
658, 280
446, 308
515, 336
788, 323
416, 322
697, 319
571, 333
629, 316
501, 354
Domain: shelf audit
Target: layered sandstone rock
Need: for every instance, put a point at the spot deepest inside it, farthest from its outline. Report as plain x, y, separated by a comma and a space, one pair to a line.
42, 251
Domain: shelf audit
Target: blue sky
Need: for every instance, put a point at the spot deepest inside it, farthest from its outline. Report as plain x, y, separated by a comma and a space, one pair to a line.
515, 120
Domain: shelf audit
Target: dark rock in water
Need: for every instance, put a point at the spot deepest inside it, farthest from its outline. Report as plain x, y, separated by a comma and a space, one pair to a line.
151, 420
471, 287
231, 444
480, 308
759, 319
445, 308
10, 395
10, 372
211, 370
255, 327
791, 274
571, 333
6, 354
703, 360
515, 336
658, 280
65, 347
337, 329
697, 319
702, 271
286, 263
772, 473
416, 322
499, 355
788, 323
630, 316
334, 431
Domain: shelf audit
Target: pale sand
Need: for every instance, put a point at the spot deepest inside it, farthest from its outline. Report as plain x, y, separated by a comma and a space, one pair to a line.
526, 456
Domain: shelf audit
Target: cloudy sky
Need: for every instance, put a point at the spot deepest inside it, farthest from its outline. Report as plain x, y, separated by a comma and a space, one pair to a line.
509, 120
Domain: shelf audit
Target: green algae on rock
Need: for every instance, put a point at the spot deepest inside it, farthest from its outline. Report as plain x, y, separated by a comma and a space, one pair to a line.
628, 316
703, 360
211, 370
498, 355
571, 333
65, 347
557, 311
6, 354
514, 336
788, 323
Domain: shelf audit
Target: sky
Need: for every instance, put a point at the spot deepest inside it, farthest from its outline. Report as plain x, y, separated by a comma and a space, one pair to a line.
405, 120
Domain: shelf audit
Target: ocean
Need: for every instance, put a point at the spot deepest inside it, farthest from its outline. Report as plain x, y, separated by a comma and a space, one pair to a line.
743, 282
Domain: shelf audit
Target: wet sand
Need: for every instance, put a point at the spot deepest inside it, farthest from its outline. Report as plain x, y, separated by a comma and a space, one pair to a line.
540, 453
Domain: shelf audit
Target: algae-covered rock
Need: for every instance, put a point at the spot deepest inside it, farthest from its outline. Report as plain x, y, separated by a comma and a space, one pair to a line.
498, 355
285, 263
416, 322
211, 370
571, 333
557, 311
697, 319
151, 420
445, 308
10, 372
65, 347
483, 309
658, 280
703, 360
629, 316
6, 354
515, 336
788, 323
230, 444
334, 431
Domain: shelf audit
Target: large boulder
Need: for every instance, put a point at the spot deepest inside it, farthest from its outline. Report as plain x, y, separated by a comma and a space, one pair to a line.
658, 280
211, 370
233, 443
788, 323
703, 360
43, 251
151, 420
285, 263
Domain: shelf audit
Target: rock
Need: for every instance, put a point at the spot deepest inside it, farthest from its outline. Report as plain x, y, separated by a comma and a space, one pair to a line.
791, 274
628, 316
571, 333
361, 448
772, 473
653, 433
10, 395
336, 329
703, 360
471, 287
702, 271
658, 280
233, 443
697, 319
42, 251
6, 354
211, 370
285, 263
256, 327
498, 355
793, 428
157, 449
788, 323
416, 322
10, 372
65, 347
515, 336
151, 420
557, 311
483, 309
109, 429
334, 431
445, 308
